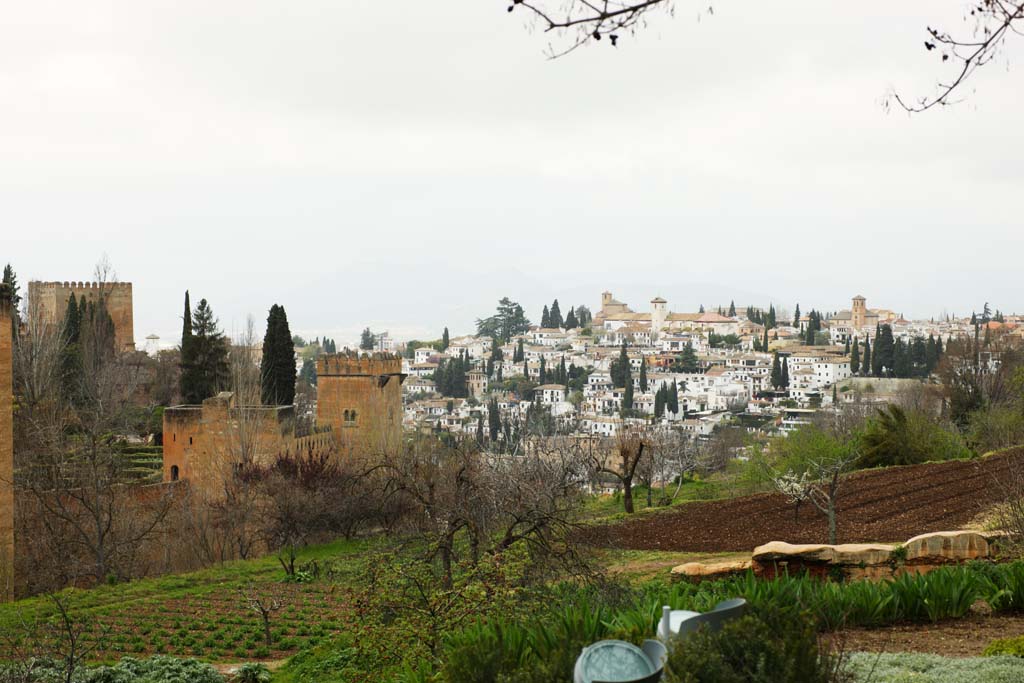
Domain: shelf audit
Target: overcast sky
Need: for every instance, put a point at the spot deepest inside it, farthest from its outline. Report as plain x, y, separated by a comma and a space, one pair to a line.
403, 165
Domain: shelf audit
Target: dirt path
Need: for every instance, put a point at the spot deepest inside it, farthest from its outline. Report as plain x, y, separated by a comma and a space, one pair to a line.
891, 504
966, 637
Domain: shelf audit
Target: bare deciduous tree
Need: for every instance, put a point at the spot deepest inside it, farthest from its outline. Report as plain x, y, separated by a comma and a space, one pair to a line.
988, 24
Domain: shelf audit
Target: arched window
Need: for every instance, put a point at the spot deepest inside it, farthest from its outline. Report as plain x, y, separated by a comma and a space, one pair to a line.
174, 473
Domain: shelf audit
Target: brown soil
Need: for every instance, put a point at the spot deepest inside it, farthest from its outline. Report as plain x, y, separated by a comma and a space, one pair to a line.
966, 637
891, 504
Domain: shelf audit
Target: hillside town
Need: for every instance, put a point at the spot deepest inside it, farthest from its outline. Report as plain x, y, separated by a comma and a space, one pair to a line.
762, 369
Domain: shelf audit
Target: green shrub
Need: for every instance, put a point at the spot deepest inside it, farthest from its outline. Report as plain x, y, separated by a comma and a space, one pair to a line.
767, 645
866, 667
1013, 647
252, 672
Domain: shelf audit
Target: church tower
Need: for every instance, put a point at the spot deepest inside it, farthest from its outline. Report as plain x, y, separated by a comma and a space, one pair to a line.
859, 312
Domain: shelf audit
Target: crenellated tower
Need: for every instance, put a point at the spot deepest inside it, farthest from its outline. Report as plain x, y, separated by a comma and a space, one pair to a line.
49, 301
360, 397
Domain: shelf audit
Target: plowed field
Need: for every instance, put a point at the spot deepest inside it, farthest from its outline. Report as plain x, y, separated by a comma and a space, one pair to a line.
883, 505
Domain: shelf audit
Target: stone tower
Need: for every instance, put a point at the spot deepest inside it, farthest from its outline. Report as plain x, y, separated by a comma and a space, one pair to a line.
49, 300
6, 449
859, 312
360, 397
659, 314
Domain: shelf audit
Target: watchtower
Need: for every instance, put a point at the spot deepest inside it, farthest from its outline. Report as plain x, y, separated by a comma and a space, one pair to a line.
49, 301
360, 397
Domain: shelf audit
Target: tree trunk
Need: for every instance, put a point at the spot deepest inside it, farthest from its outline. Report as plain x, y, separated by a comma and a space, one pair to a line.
266, 628
627, 495
831, 521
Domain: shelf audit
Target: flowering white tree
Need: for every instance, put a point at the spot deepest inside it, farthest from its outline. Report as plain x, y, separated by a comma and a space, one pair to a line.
809, 466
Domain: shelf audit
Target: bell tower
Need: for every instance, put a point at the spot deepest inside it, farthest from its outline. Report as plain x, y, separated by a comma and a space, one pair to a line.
859, 312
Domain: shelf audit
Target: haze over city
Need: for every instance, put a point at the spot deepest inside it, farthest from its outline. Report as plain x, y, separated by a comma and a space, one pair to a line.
409, 165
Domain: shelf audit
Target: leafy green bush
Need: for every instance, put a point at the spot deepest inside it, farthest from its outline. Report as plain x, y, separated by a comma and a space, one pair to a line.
870, 667
767, 645
128, 670
1013, 647
252, 672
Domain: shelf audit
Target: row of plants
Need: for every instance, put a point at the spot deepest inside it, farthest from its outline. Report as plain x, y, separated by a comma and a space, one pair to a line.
130, 670
543, 645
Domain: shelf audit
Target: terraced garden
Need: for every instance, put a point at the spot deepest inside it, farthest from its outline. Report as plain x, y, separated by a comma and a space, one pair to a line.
890, 504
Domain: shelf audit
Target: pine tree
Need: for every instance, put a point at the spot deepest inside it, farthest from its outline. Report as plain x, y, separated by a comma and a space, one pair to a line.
445, 340
277, 367
643, 375
855, 357
204, 370
555, 316
796, 316
367, 340
545, 318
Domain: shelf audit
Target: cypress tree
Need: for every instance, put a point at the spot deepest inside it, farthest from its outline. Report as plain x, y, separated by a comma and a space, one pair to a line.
764, 344
701, 308
643, 375
846, 349
796, 316
555, 316
570, 320
867, 360
545, 318
835, 396
627, 397
673, 398
187, 356
732, 309
776, 377
785, 373
445, 339
277, 367
855, 357
543, 377
659, 402
493, 419
71, 351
